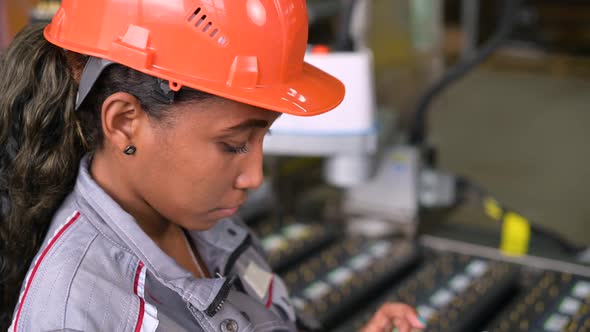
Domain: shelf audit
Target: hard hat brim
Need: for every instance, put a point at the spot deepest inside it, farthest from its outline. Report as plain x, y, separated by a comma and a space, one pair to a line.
313, 92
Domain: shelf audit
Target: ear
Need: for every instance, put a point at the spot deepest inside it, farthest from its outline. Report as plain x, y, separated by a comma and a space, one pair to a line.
122, 117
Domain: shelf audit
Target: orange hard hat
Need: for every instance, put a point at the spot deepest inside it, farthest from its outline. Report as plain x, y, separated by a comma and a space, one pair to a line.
249, 51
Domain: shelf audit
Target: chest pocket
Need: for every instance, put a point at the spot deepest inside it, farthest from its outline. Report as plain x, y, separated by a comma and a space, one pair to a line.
263, 286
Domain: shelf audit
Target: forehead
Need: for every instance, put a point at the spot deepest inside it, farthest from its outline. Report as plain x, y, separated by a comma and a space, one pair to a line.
218, 114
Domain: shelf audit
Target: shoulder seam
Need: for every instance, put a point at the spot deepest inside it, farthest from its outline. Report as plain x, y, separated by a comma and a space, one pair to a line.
108, 238
90, 221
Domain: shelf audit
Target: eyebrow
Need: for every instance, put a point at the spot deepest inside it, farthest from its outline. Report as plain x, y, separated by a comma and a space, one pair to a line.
248, 124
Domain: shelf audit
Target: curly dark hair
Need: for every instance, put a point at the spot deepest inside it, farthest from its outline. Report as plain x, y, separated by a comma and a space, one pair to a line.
43, 138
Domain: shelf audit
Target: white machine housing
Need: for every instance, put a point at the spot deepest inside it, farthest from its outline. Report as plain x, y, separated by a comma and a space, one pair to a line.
388, 203
347, 135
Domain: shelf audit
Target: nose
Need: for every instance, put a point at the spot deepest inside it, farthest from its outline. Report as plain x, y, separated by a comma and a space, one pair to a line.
251, 176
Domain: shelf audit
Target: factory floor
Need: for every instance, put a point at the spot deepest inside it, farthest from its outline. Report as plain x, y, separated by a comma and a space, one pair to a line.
524, 136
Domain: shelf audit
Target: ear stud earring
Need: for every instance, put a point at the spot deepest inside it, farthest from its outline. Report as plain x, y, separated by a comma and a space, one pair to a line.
130, 150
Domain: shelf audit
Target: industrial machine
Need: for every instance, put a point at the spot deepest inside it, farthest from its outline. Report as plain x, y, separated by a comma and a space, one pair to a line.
455, 287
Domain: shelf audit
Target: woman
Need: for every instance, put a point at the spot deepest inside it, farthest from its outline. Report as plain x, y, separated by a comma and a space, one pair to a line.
131, 132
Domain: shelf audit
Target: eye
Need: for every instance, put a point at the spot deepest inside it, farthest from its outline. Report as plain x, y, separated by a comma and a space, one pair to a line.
240, 149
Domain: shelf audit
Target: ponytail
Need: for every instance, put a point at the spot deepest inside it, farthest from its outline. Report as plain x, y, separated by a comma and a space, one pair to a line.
40, 149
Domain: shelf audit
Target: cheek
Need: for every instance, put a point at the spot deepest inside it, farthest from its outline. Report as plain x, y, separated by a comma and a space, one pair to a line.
186, 179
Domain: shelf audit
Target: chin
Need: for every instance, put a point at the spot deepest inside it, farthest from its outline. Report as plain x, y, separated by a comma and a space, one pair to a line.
200, 227
200, 223
209, 220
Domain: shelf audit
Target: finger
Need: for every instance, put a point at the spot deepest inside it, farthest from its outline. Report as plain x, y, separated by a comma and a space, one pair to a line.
378, 327
395, 310
380, 322
402, 325
415, 320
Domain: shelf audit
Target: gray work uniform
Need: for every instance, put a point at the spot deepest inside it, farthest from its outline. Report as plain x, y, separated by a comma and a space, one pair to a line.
98, 271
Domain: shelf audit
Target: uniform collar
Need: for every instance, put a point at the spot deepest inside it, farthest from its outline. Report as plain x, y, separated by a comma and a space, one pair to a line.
213, 244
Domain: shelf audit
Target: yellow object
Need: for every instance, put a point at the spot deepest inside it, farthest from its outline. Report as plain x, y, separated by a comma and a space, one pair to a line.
516, 233
492, 208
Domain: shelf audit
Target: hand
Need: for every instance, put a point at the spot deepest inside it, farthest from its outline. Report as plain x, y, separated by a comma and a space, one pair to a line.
394, 315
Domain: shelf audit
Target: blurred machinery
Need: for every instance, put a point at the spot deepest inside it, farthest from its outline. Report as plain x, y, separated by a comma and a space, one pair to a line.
452, 292
548, 301
380, 256
456, 287
330, 285
44, 10
292, 241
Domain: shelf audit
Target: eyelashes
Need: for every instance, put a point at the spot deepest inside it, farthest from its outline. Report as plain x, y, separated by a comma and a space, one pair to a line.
238, 149
235, 149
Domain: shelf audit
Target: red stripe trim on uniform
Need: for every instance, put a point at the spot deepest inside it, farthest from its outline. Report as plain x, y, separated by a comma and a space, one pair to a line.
141, 300
38, 263
270, 287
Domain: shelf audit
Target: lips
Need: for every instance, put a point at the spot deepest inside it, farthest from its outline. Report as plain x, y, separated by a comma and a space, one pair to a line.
229, 210
225, 213
233, 206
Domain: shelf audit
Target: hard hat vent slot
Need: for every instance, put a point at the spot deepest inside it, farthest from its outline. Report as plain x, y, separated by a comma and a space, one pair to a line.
201, 20
198, 19
194, 14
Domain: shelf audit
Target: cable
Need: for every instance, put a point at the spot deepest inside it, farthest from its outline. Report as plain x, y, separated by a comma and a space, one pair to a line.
466, 186
343, 39
506, 23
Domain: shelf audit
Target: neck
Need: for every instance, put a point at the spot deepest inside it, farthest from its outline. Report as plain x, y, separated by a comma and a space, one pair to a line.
112, 181
167, 235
